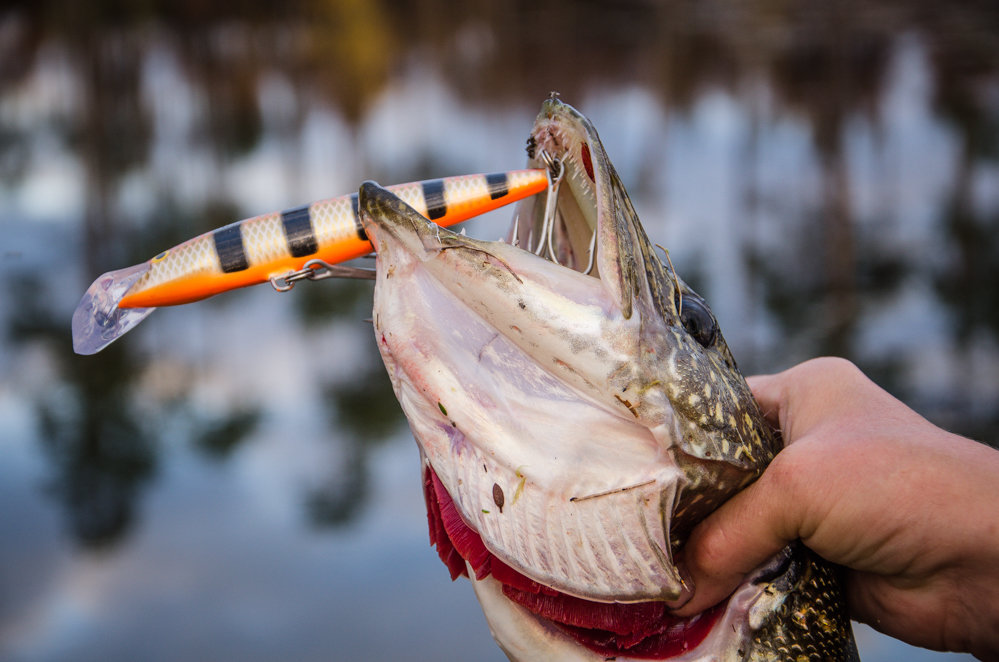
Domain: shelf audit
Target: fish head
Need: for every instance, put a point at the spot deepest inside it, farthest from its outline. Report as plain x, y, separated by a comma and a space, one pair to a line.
682, 381
574, 420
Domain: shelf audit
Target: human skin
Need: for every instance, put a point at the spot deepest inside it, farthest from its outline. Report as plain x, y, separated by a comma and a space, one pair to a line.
910, 510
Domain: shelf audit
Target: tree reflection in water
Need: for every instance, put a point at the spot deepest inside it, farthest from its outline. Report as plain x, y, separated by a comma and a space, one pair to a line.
363, 407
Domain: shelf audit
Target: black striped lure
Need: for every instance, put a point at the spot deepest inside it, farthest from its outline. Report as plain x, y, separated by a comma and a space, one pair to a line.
272, 246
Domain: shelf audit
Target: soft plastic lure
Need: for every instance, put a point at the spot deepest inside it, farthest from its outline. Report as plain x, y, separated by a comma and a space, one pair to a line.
279, 247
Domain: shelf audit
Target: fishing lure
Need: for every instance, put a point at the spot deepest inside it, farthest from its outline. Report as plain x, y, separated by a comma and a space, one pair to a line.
280, 247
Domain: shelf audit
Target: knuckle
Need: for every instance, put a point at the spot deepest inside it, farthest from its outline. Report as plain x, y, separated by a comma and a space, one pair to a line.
712, 551
831, 369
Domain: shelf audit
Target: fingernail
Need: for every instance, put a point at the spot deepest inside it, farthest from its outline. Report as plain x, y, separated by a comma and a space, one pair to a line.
686, 587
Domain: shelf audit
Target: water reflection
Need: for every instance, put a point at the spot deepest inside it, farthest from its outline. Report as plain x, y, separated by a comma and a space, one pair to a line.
365, 412
825, 172
99, 453
100, 457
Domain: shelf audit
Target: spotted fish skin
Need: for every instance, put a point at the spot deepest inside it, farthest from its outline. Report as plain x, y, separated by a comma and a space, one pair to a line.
253, 250
608, 408
811, 622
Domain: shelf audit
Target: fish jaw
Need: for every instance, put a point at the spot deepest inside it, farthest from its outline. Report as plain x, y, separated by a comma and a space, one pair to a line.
565, 321
585, 487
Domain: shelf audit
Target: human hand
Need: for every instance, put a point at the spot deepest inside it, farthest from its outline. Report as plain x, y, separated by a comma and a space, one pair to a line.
910, 510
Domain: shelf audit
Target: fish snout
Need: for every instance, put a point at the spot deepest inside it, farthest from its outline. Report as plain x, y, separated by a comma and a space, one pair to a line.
385, 215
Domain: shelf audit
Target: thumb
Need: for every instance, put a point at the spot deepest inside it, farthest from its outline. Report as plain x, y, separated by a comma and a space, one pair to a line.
738, 537
756, 523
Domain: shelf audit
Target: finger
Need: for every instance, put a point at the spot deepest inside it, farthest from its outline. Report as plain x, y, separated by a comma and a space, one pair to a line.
737, 538
798, 398
769, 393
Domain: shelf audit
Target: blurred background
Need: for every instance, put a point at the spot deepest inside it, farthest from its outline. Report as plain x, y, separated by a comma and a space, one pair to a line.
234, 480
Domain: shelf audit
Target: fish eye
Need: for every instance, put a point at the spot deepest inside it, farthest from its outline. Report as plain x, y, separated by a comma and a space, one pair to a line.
697, 320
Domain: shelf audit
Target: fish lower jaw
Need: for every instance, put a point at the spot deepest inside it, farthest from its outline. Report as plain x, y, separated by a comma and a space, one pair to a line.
528, 618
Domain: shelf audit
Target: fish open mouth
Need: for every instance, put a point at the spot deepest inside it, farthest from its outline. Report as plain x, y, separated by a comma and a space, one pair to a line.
556, 374
643, 630
565, 230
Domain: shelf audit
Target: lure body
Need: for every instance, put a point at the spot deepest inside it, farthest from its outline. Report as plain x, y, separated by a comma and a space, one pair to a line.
257, 249
271, 246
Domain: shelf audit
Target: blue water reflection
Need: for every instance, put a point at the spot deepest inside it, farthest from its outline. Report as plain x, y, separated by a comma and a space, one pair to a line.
233, 480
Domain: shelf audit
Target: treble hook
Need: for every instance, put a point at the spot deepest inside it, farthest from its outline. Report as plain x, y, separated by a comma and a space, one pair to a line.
556, 171
593, 254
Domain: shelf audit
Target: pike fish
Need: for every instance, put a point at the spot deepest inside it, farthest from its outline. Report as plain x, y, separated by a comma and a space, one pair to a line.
577, 412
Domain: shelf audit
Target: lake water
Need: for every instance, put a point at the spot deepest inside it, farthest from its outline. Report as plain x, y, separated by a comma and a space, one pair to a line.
233, 479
